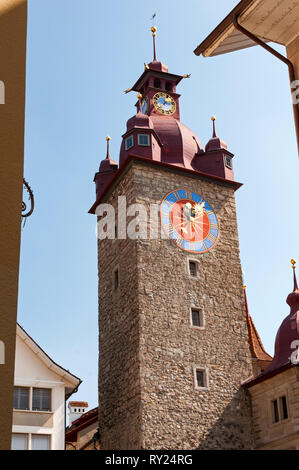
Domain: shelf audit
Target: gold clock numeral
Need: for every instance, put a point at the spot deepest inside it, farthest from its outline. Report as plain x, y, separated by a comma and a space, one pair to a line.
179, 241
214, 226
211, 237
167, 202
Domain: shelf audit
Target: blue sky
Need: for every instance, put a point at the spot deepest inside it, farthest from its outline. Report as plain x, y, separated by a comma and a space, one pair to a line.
82, 54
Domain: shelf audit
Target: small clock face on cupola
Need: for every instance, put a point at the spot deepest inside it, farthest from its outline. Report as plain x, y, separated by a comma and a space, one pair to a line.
189, 221
164, 103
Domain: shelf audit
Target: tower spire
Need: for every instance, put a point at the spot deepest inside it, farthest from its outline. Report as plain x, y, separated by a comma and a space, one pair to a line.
245, 298
108, 138
213, 119
153, 30
293, 262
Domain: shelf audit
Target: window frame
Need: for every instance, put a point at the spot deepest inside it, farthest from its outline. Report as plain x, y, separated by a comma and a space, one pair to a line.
201, 325
196, 264
49, 436
26, 435
204, 370
41, 410
228, 162
29, 398
278, 409
148, 140
128, 147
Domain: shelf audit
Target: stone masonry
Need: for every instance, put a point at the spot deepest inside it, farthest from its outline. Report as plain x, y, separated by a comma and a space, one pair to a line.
148, 348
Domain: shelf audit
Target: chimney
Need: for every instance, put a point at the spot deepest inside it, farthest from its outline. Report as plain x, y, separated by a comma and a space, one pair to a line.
76, 409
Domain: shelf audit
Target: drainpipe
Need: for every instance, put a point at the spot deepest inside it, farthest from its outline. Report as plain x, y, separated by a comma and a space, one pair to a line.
279, 56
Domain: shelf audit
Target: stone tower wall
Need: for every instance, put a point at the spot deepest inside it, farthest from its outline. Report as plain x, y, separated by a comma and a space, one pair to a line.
148, 347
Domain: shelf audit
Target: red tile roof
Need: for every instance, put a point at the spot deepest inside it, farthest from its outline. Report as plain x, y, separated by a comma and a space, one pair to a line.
84, 421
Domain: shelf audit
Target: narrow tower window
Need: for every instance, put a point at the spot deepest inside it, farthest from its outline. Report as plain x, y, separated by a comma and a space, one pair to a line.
279, 409
228, 162
168, 86
192, 268
129, 142
200, 377
283, 407
196, 317
157, 83
116, 279
275, 415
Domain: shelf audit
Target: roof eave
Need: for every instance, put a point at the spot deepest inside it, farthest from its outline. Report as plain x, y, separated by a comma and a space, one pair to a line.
170, 166
216, 34
71, 379
142, 78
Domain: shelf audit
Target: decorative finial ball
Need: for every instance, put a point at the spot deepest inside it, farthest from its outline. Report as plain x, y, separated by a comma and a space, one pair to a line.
153, 29
213, 118
244, 287
293, 262
139, 96
108, 138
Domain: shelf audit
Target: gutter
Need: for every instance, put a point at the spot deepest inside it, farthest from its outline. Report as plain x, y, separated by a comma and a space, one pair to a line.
279, 56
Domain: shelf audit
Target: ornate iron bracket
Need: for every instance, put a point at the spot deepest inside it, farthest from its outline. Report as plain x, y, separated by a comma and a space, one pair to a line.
31, 198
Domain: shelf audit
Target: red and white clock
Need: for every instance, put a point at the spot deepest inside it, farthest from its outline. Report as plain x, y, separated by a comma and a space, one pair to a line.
189, 221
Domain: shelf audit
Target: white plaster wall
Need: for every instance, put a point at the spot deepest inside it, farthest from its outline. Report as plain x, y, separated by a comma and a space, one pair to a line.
31, 371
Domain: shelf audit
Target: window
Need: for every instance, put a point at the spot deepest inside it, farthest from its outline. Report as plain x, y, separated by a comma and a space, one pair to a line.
196, 317
19, 441
200, 377
283, 407
41, 399
40, 442
275, 415
143, 139
129, 142
116, 279
157, 83
193, 268
21, 398
279, 409
168, 86
228, 162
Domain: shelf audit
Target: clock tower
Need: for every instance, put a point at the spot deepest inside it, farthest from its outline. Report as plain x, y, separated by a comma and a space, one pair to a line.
173, 335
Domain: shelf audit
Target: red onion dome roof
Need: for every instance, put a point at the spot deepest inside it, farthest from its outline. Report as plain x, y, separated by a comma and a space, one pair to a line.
288, 332
179, 144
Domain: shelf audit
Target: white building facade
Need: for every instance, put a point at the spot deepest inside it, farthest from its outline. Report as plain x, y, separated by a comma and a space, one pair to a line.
41, 388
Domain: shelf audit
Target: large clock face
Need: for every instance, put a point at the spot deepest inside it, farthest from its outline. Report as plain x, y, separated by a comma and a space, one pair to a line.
164, 103
189, 221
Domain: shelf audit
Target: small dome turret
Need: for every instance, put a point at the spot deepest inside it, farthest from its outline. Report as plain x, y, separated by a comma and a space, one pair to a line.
288, 333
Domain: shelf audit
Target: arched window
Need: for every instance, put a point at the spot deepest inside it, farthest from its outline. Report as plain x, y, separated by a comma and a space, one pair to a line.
168, 86
157, 83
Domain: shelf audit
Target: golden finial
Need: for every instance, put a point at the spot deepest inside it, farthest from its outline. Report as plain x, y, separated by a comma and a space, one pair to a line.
213, 118
187, 75
139, 96
244, 286
293, 262
127, 90
108, 138
154, 30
